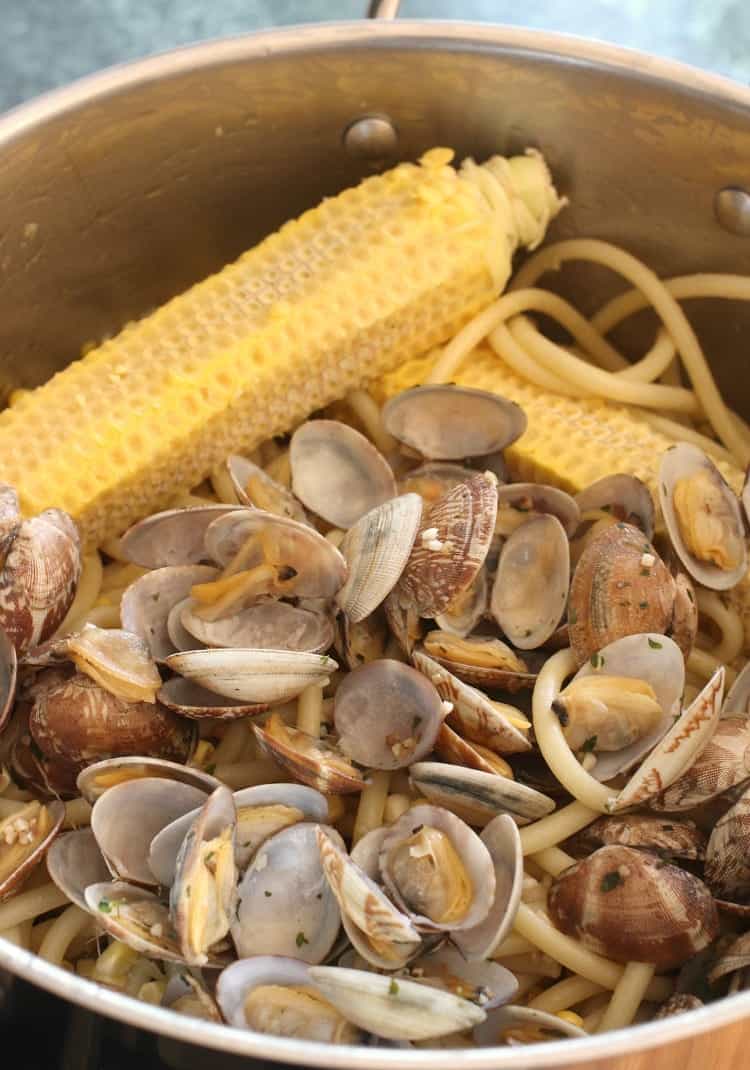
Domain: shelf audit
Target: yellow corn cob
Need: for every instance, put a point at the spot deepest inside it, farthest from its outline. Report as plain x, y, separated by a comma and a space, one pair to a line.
366, 280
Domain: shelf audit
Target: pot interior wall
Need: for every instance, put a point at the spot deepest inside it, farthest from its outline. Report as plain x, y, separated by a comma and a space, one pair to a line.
120, 202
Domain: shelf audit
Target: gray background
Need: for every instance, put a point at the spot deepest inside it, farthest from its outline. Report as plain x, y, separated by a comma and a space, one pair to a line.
46, 43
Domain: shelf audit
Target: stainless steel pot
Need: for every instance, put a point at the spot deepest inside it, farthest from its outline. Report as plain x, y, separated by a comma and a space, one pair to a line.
128, 186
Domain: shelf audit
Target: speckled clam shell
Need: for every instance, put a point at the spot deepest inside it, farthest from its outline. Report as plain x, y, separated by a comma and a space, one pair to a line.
464, 520
727, 868
147, 603
683, 627
617, 590
631, 907
669, 837
626, 497
723, 764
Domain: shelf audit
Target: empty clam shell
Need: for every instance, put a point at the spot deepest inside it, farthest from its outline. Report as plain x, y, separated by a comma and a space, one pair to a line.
703, 517
522, 1025
25, 838
727, 868
381, 933
387, 715
502, 840
300, 918
632, 907
253, 675
134, 916
74, 861
126, 818
376, 550
478, 797
186, 995
482, 660
488, 984
99, 777
453, 422
192, 700
310, 760
669, 837
519, 502
118, 660
267, 626
531, 584
147, 603
397, 1010
255, 487
462, 616
451, 546
173, 537
625, 497
722, 764
337, 473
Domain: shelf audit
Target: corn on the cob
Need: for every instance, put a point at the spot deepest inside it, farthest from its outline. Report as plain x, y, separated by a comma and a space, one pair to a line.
353, 287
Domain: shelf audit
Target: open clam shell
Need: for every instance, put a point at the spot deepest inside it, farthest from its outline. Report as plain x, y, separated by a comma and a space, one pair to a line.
473, 715
25, 838
727, 869
136, 917
488, 984
172, 537
624, 496
302, 1012
253, 486
180, 638
253, 676
451, 547
8, 678
387, 715
453, 422
429, 860
450, 747
482, 660
530, 591
266, 626
519, 502
477, 797
337, 473
463, 615
126, 818
511, 1024
737, 701
185, 994
502, 840
703, 517
74, 862
669, 837
202, 895
395, 1009
363, 642
378, 930
147, 603
403, 621
300, 917
434, 479
723, 763
99, 777
309, 760
376, 550
117, 660
198, 703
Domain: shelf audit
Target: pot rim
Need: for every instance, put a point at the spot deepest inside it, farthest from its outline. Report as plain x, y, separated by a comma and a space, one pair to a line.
332, 36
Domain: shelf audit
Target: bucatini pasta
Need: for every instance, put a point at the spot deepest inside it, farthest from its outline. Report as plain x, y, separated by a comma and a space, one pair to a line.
408, 713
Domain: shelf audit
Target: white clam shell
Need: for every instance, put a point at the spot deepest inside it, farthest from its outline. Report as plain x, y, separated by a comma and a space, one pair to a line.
173, 537
448, 968
241, 471
266, 626
179, 636
74, 861
502, 840
112, 904
253, 675
625, 496
478, 797
97, 778
147, 603
237, 981
737, 701
489, 1033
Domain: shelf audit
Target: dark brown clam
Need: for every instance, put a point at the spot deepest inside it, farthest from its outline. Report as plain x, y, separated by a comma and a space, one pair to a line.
632, 907
48, 777
451, 546
684, 624
75, 720
722, 764
678, 1004
669, 837
8, 677
620, 587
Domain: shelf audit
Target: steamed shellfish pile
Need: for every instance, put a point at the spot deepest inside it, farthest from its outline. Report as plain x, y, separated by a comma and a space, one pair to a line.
330, 711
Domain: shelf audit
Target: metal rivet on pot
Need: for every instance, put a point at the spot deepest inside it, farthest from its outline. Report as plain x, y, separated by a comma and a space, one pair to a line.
732, 210
373, 137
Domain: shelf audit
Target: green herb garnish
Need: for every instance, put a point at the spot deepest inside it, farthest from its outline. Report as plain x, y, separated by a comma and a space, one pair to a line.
610, 881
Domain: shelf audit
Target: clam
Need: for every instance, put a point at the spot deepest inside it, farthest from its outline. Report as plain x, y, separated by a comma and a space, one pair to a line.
488, 984
473, 715
74, 720
516, 1025
727, 869
147, 603
285, 905
437, 870
126, 817
479, 659
668, 837
737, 702
358, 644
192, 700
134, 916
310, 760
41, 566
8, 676
253, 676
703, 517
255, 487
337, 473
620, 587
376, 550
25, 838
262, 555
387, 715
186, 995
378, 930
275, 995
451, 547
623, 497
683, 627
391, 1008
99, 777
465, 612
502, 840
49, 777
432, 481
519, 502
531, 584
117, 660
452, 422
734, 959
172, 537
723, 763
403, 620
630, 906
452, 748
679, 1003
74, 861
267, 626
202, 896
478, 797
180, 638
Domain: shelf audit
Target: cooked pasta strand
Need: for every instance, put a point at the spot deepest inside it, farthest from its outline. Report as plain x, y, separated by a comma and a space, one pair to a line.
552, 860
524, 365
310, 710
680, 433
30, 904
654, 363
371, 803
60, 936
727, 620
367, 410
566, 993
556, 827
627, 996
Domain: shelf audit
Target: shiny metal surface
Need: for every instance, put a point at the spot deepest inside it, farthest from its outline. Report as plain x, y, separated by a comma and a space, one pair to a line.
732, 207
125, 188
373, 137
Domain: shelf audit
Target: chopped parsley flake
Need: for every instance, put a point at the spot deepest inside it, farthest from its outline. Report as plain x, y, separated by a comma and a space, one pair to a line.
610, 881
654, 645
590, 745
643, 605
597, 661
268, 894
572, 616
105, 906
301, 939
393, 988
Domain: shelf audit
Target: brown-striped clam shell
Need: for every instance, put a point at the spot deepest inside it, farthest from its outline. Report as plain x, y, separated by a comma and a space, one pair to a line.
727, 868
668, 837
309, 760
683, 627
482, 660
722, 764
